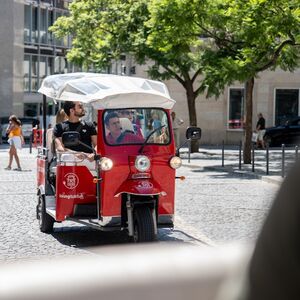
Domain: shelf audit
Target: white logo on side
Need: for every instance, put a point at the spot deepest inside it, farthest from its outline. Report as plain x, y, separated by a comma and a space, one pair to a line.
70, 181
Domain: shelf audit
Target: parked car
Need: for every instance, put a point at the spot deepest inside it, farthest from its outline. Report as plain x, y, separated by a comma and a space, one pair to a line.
288, 134
26, 126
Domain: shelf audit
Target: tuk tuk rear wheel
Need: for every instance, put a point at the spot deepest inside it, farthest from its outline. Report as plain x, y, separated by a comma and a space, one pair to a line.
46, 222
144, 229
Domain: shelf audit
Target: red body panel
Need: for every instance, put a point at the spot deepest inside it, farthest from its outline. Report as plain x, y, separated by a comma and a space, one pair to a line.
118, 178
74, 185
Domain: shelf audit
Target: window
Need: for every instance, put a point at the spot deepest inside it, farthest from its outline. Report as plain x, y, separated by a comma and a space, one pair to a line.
286, 105
34, 73
44, 26
134, 126
26, 65
34, 26
27, 23
30, 109
236, 108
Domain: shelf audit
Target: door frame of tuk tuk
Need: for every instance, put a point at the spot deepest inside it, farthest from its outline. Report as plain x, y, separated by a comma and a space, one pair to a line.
103, 99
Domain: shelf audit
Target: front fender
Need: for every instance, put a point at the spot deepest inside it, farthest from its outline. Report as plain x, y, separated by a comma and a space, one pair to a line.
143, 187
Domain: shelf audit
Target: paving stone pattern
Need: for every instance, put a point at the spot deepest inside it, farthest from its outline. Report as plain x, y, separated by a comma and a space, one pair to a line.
211, 207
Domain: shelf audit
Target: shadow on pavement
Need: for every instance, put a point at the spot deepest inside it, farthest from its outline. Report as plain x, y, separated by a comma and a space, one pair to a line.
85, 237
224, 173
82, 237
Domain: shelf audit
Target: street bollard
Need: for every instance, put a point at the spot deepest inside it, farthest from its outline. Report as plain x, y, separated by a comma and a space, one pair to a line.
267, 158
30, 144
223, 153
282, 160
240, 155
253, 156
296, 153
189, 155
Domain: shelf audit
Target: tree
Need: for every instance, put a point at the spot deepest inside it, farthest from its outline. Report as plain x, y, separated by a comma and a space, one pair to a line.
103, 30
248, 36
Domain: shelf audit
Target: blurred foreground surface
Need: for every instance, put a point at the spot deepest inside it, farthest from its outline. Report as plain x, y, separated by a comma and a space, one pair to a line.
132, 272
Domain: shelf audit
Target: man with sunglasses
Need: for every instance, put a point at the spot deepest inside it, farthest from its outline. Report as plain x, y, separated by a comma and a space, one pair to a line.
88, 134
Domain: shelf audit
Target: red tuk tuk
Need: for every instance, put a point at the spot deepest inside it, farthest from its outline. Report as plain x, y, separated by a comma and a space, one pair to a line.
131, 184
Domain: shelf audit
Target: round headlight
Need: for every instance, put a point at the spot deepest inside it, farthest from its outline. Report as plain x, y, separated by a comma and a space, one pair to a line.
106, 164
175, 162
142, 163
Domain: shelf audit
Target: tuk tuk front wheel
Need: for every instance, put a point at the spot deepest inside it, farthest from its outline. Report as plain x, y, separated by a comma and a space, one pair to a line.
144, 230
46, 222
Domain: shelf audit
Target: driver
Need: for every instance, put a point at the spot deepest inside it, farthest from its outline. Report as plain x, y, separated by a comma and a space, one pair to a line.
87, 130
116, 136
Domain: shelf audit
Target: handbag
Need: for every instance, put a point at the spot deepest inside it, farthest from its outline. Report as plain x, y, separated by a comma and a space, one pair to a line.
254, 137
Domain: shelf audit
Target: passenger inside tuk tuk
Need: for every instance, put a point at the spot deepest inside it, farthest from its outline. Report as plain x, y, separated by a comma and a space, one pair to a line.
130, 114
61, 116
115, 134
87, 131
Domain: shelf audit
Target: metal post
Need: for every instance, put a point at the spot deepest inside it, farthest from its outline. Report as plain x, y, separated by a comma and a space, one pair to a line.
267, 159
44, 120
30, 143
283, 160
253, 157
240, 155
223, 153
189, 155
296, 153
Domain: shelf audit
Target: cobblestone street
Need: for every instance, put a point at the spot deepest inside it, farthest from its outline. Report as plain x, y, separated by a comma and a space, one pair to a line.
212, 207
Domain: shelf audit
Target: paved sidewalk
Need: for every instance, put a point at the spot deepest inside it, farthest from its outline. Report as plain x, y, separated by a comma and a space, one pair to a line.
210, 158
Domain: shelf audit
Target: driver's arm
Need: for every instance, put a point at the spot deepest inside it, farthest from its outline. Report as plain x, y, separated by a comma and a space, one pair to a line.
59, 145
94, 140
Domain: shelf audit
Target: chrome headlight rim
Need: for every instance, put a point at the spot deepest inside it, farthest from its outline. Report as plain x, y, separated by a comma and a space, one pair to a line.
175, 162
142, 163
106, 164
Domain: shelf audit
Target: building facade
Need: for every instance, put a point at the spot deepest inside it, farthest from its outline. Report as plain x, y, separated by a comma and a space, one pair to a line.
29, 52
276, 95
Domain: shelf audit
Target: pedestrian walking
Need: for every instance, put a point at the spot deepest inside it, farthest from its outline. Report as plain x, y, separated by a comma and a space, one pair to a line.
15, 140
176, 123
261, 130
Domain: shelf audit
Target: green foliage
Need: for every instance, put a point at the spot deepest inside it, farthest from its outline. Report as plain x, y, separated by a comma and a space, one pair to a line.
221, 40
250, 37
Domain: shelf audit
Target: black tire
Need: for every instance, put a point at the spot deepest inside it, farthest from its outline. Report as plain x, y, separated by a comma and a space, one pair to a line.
46, 222
144, 227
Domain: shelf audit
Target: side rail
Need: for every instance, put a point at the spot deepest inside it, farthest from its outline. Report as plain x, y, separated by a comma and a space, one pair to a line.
69, 158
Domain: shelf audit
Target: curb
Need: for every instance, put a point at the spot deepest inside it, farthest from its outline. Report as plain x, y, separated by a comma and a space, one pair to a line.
241, 173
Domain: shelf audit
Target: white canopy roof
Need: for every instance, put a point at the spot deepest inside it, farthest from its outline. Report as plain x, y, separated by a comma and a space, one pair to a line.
107, 90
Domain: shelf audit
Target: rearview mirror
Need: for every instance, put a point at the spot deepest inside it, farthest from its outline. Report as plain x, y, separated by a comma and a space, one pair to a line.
193, 133
70, 138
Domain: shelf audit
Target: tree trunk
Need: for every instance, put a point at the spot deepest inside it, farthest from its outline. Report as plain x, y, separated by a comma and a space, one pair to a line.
248, 122
191, 99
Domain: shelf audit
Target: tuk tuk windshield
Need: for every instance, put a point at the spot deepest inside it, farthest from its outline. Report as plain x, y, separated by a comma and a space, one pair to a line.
135, 126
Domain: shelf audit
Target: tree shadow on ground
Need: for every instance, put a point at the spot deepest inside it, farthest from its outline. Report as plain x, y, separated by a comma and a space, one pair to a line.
224, 173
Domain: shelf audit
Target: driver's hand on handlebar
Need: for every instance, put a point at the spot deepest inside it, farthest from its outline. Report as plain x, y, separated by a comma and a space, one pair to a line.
88, 156
81, 155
